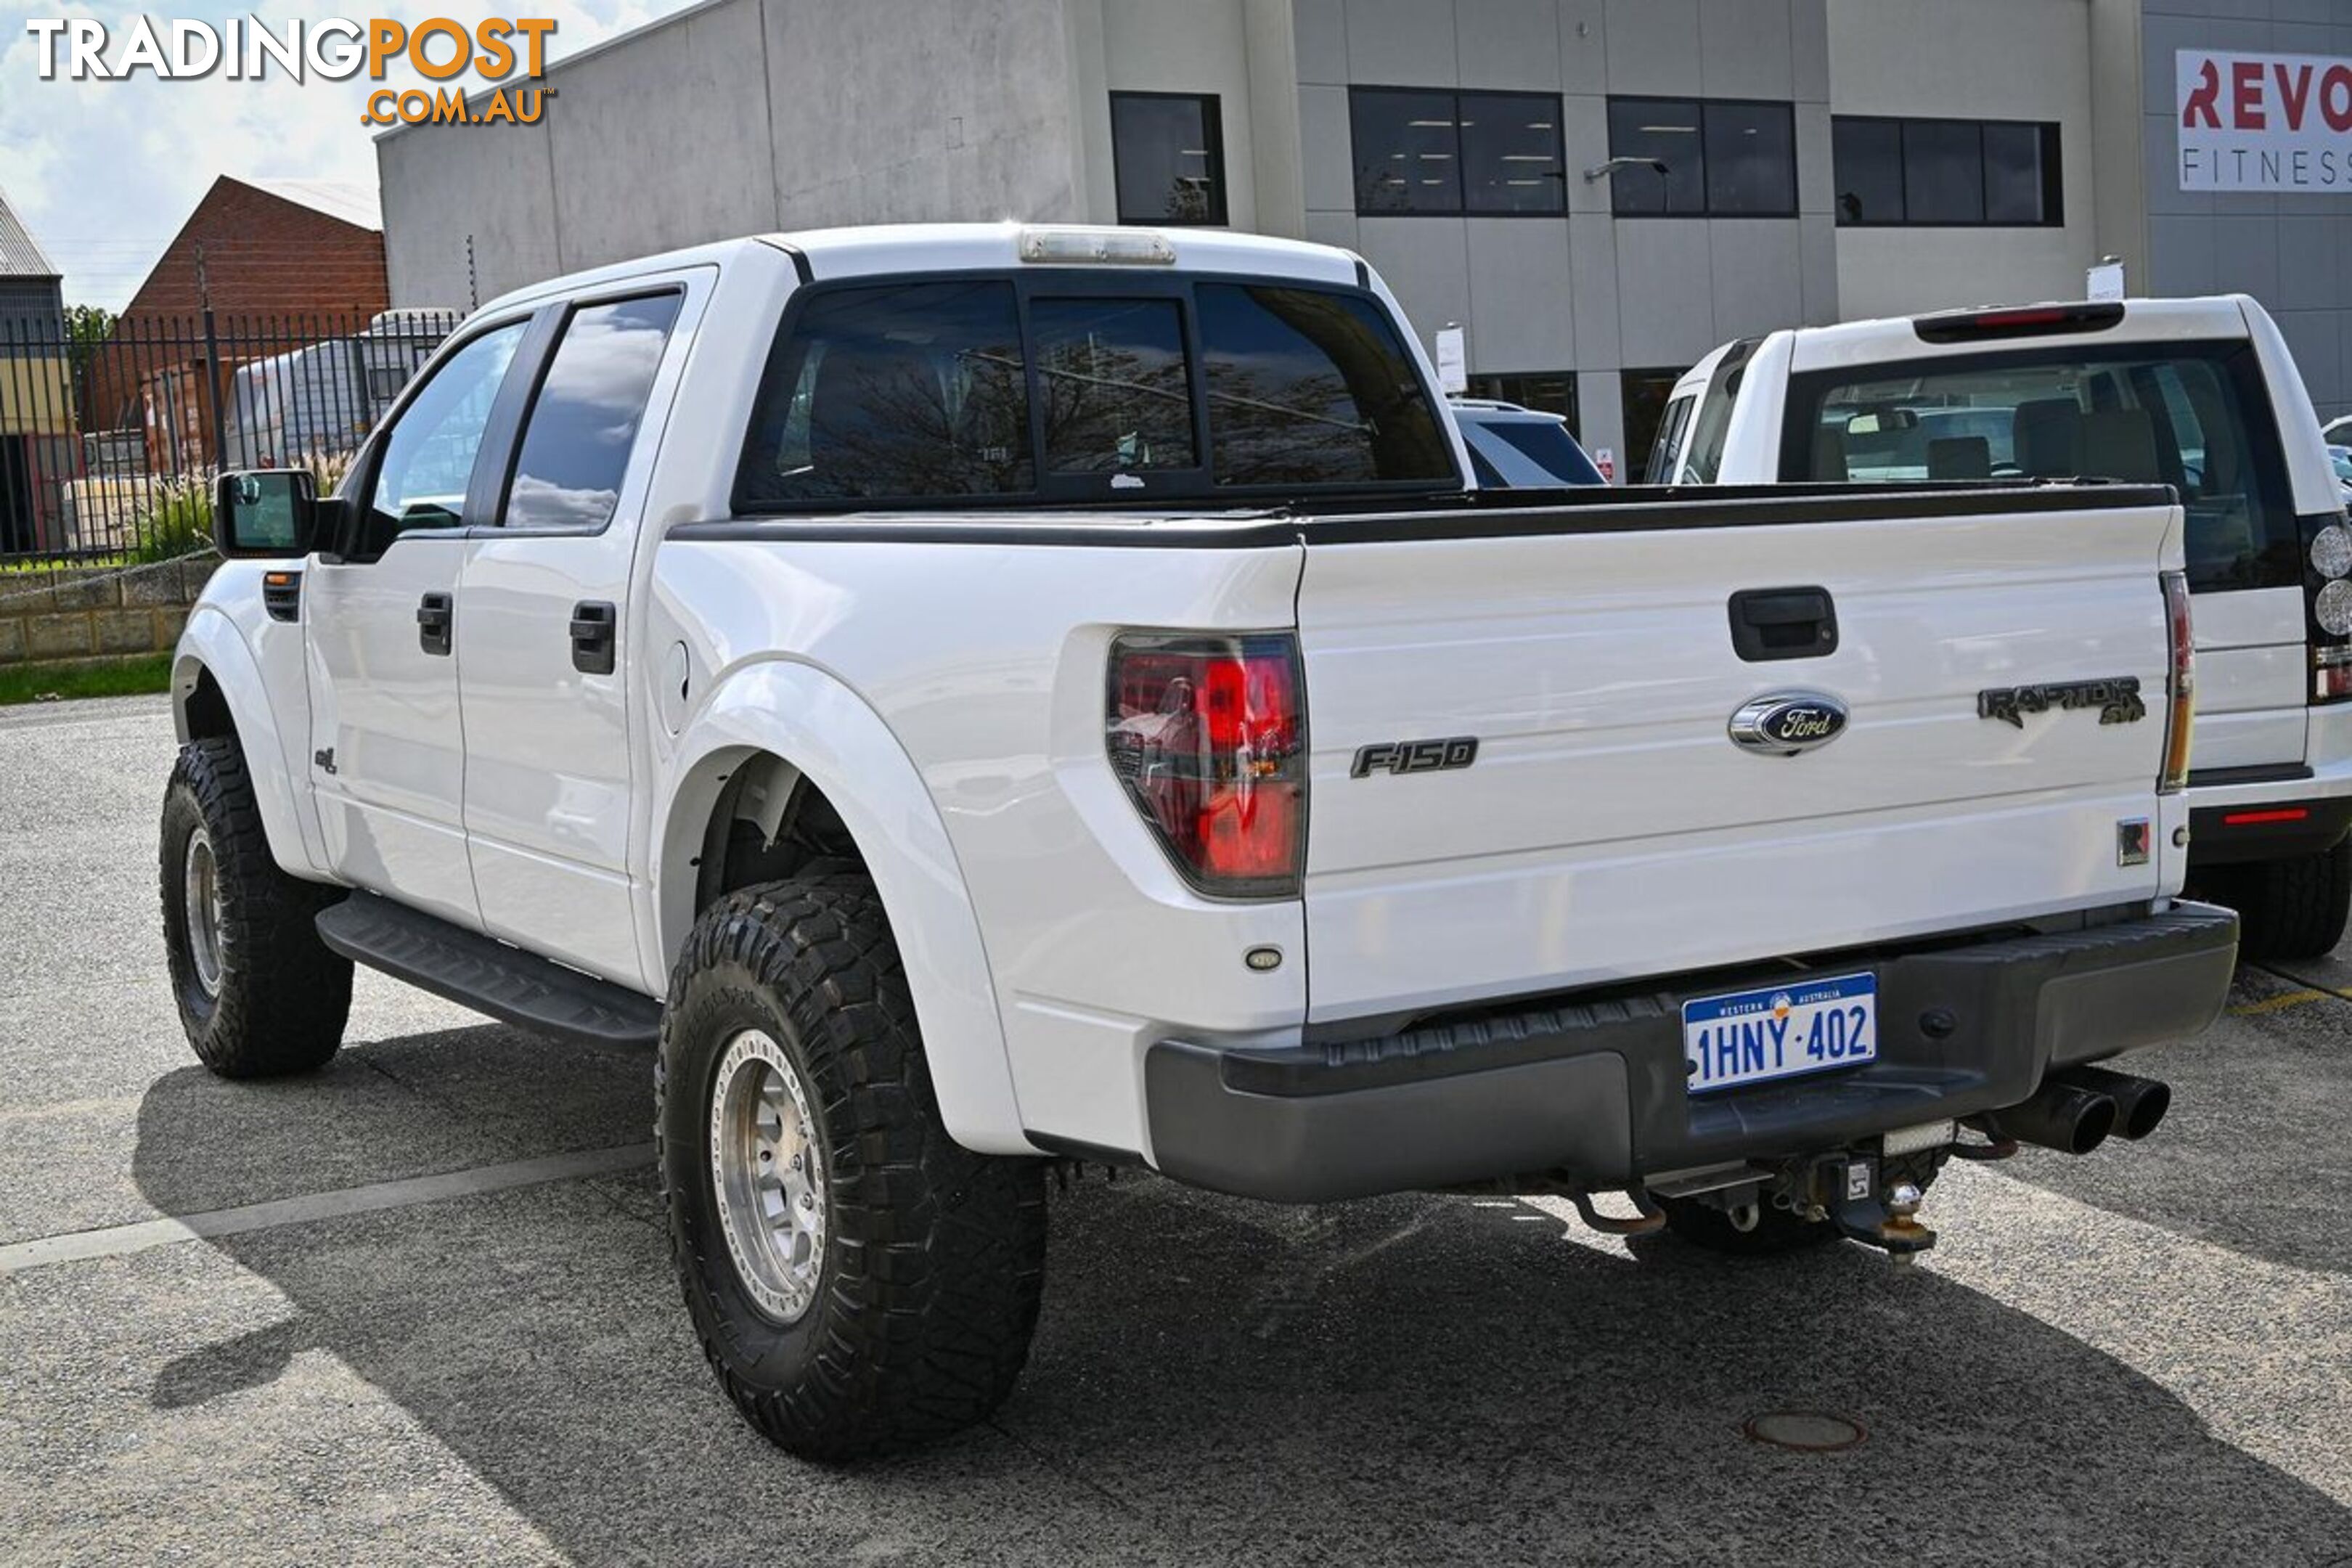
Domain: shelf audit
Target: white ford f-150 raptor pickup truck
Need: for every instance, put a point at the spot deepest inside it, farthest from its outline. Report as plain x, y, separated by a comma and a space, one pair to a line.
2200, 395
984, 695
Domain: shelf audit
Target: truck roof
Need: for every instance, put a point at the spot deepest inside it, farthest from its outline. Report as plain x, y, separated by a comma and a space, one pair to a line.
2144, 321
888, 249
1883, 338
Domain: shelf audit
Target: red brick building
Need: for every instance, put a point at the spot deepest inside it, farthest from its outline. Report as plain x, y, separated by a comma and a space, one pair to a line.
271, 258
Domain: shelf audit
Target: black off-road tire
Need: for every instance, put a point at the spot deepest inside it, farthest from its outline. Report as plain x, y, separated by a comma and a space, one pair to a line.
282, 997
1777, 1230
2290, 908
933, 1257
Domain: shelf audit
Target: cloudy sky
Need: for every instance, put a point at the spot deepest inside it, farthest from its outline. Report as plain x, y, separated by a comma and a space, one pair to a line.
105, 172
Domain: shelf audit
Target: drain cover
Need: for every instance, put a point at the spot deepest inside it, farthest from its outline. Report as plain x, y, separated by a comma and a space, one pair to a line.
1806, 1431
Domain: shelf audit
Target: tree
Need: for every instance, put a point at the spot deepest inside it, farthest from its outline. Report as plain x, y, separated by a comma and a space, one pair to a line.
86, 329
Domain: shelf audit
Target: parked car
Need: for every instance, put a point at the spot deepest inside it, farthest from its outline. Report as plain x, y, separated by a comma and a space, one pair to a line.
935, 685
2200, 395
1514, 447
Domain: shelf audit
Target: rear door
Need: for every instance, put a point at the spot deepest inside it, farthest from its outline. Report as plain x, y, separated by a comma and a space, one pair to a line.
1606, 824
546, 667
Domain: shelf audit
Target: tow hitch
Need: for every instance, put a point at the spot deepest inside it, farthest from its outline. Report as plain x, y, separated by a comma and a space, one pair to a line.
1846, 1192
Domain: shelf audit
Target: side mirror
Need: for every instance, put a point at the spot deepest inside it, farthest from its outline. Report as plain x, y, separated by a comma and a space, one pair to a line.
265, 513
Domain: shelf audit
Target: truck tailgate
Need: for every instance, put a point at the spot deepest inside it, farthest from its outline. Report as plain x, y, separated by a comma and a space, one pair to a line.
1608, 826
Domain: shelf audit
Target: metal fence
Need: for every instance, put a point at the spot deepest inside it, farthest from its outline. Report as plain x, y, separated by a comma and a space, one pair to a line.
108, 449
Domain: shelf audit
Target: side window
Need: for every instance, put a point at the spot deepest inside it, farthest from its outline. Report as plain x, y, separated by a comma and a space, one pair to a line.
1669, 447
1310, 387
582, 425
428, 457
2199, 436
910, 389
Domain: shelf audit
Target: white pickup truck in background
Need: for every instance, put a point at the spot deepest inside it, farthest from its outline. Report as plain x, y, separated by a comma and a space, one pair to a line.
2200, 395
981, 696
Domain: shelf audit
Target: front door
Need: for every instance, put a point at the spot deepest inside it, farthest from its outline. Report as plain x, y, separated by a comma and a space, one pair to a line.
388, 752
545, 666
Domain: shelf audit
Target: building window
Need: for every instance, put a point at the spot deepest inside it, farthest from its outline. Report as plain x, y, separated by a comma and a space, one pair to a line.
1721, 158
1167, 151
1947, 174
1553, 391
1450, 154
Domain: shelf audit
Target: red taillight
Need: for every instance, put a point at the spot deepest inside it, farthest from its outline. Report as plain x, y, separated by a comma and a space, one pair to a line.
2331, 674
1208, 734
2255, 818
2181, 712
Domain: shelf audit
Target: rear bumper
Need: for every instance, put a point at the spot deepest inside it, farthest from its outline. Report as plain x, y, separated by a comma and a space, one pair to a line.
2238, 815
1595, 1090
2269, 830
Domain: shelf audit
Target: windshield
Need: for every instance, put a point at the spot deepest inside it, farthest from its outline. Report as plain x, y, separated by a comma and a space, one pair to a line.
2193, 415
1523, 453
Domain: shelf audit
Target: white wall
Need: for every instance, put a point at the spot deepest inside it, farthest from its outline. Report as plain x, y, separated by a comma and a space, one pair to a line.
1586, 292
740, 117
1990, 59
1200, 45
2292, 252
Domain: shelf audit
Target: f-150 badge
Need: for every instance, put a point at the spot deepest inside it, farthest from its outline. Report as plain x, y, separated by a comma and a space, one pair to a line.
1415, 756
2116, 698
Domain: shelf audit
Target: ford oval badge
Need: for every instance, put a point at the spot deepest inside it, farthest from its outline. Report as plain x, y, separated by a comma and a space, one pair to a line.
1782, 723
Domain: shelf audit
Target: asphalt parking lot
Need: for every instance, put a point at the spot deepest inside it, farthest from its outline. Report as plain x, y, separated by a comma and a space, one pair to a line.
2141, 1357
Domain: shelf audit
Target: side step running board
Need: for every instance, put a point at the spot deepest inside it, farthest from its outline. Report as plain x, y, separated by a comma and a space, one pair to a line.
486, 974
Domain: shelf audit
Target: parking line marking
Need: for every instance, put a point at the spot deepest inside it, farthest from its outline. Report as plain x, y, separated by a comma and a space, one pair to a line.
2280, 1003
120, 1240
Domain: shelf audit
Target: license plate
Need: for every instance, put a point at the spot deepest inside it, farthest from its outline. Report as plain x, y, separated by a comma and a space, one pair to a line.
1781, 1031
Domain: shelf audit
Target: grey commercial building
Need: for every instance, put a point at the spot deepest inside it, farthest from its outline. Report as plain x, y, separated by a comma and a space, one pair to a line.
1597, 191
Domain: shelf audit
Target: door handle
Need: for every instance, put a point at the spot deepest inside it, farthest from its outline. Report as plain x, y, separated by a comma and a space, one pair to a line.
436, 615
1783, 623
595, 636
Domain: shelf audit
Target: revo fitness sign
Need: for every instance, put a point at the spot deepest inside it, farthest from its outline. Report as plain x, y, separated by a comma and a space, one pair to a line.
2264, 122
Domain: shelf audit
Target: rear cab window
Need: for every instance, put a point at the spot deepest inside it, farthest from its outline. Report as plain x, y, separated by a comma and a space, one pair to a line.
2192, 414
1084, 386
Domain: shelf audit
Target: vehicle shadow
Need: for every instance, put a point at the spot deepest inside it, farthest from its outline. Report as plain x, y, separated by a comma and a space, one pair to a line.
1409, 1380
2249, 1155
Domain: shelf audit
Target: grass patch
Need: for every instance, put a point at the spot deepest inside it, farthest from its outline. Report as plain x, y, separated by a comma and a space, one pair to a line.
40, 565
133, 676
